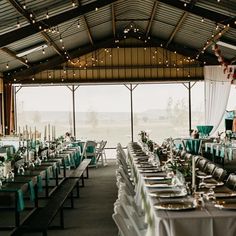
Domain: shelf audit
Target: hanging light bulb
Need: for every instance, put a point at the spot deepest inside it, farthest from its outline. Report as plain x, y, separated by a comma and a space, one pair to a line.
24, 6
43, 51
47, 15
63, 46
78, 25
73, 3
60, 39
18, 22
96, 9
202, 20
31, 15
26, 60
7, 65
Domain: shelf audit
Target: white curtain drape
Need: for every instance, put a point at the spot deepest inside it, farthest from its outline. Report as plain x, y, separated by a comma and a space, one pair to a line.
217, 89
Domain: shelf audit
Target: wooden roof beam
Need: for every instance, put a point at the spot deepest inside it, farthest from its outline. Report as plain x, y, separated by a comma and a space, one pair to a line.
28, 30
113, 19
32, 21
177, 27
151, 18
13, 54
140, 80
88, 30
57, 60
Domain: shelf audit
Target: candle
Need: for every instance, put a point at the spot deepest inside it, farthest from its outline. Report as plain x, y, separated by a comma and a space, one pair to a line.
26, 132
45, 133
49, 132
193, 174
35, 136
23, 133
30, 133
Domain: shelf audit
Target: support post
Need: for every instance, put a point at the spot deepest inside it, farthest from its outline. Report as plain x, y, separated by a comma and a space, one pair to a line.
73, 111
189, 107
131, 113
73, 89
131, 89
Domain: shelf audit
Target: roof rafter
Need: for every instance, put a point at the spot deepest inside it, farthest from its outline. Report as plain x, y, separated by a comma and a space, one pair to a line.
177, 27
28, 30
13, 54
88, 30
104, 43
109, 81
113, 19
27, 15
202, 12
151, 18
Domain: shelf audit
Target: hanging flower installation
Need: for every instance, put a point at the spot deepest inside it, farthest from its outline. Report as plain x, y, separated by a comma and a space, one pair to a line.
231, 72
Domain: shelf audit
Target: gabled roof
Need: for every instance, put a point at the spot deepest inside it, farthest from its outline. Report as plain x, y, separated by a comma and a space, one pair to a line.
67, 29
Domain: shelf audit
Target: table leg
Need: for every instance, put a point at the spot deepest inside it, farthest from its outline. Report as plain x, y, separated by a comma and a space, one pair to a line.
17, 213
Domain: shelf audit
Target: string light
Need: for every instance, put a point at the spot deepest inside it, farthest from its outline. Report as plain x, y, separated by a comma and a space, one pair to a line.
47, 15
18, 22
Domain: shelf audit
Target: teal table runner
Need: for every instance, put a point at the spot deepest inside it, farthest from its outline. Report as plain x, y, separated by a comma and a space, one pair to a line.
39, 183
192, 146
20, 200
31, 190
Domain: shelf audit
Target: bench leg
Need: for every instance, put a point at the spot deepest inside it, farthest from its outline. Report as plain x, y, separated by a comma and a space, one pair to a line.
82, 179
71, 199
77, 189
62, 218
87, 172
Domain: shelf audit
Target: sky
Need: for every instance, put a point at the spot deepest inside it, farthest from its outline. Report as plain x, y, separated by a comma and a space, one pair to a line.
111, 98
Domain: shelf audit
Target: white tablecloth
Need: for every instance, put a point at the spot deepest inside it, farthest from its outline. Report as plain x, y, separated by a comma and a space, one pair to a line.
208, 221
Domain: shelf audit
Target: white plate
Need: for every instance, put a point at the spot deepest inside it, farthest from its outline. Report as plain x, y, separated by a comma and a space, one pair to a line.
176, 205
156, 185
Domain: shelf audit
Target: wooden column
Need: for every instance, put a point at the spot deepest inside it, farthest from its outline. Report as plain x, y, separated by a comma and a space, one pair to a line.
2, 131
9, 113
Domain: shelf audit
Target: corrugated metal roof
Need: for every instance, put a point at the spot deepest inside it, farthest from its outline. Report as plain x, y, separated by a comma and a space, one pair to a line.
192, 33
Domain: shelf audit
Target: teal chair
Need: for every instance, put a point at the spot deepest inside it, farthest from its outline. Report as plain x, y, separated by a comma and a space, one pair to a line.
89, 151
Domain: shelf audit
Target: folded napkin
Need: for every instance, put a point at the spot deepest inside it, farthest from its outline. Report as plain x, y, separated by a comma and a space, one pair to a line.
39, 183
31, 190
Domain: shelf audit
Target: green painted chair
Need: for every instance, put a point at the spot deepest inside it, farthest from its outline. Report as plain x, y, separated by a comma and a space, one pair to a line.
89, 151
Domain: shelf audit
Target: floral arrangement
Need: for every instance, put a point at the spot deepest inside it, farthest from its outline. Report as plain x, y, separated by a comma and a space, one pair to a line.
144, 136
182, 165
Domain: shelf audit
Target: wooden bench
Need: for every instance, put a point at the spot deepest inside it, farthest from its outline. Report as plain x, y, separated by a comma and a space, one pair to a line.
41, 218
78, 173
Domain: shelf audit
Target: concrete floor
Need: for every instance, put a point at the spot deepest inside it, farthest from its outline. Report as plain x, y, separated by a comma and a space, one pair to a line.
92, 215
